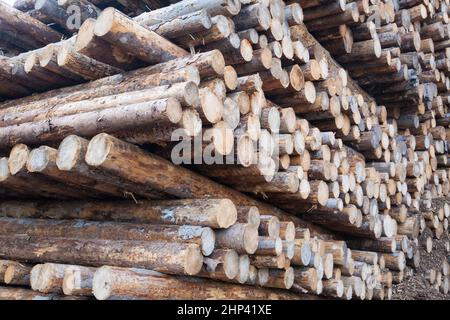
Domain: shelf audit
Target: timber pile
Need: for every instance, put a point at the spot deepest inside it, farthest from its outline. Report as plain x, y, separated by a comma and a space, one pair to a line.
328, 188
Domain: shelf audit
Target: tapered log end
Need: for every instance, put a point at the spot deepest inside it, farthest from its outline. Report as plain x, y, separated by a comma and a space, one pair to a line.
194, 260
18, 158
30, 61
98, 149
62, 55
104, 22
208, 241
70, 152
226, 213
101, 284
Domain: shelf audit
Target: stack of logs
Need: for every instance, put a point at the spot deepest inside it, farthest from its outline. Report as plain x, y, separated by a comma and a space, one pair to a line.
319, 188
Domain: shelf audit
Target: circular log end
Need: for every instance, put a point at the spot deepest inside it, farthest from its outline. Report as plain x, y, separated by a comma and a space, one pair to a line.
85, 34
231, 264
254, 217
244, 268
226, 213
278, 246
98, 149
230, 76
9, 273
223, 138
212, 106
289, 119
315, 69
310, 92
18, 158
218, 62
102, 283
296, 78
289, 277
266, 58
194, 260
246, 50
38, 159
71, 150
322, 193
208, 241
289, 233
276, 29
250, 239
245, 150
104, 22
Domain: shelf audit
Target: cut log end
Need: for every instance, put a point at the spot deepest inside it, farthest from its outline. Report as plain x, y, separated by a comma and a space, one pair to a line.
310, 92
38, 159
98, 149
104, 22
226, 213
18, 158
194, 260
208, 241
69, 152
101, 286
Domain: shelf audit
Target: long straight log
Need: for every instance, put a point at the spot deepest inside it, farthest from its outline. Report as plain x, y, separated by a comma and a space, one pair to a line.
81, 229
162, 256
119, 283
119, 30
215, 213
